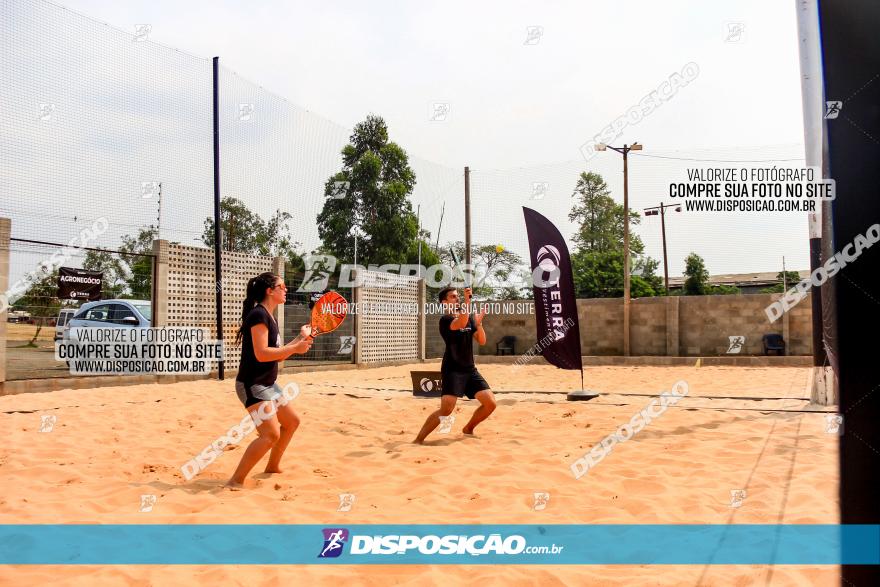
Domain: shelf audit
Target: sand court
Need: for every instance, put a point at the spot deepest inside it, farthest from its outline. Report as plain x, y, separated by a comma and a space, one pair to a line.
744, 446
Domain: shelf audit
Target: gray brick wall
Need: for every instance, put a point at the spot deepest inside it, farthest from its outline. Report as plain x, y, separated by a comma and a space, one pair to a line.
704, 325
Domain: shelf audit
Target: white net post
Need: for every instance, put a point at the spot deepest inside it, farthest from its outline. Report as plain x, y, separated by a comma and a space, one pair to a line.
421, 311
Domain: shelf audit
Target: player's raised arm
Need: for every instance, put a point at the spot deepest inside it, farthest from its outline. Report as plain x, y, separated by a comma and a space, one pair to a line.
479, 333
462, 313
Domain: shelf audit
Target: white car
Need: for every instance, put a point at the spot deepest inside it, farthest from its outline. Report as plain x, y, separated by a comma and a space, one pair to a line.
111, 314
64, 317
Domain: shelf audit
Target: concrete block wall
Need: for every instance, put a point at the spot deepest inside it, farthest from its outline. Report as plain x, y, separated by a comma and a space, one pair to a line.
800, 320
647, 326
185, 290
706, 322
601, 323
664, 326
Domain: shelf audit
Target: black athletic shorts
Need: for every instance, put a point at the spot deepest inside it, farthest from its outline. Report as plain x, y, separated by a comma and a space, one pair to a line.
256, 393
459, 383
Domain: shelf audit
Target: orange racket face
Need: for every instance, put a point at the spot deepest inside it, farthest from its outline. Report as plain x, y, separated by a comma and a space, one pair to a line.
328, 313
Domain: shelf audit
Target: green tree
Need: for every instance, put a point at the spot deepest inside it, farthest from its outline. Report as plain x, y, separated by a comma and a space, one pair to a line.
600, 275
41, 301
128, 273
791, 278
370, 197
645, 269
597, 261
696, 281
723, 290
134, 251
125, 274
600, 218
497, 275
428, 255
244, 231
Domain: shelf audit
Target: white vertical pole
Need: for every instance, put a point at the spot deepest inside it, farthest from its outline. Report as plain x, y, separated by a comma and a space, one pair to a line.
159, 217
419, 236
812, 92
822, 381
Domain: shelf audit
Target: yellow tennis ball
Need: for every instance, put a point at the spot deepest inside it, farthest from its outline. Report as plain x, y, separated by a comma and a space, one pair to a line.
499, 249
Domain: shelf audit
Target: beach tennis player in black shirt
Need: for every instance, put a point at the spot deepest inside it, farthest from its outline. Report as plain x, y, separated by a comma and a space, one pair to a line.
261, 350
460, 376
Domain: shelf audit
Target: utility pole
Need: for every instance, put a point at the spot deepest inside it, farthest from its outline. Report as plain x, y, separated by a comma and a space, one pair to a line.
661, 209
439, 226
419, 235
467, 216
626, 269
784, 280
625, 152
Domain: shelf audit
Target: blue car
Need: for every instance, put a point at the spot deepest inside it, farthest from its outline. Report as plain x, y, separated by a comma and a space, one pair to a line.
111, 314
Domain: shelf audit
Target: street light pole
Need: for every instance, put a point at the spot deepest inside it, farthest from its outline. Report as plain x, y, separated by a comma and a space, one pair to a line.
665, 258
625, 254
419, 236
662, 211
624, 151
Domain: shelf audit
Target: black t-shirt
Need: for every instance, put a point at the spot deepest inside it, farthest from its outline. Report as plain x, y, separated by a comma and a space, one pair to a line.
250, 370
459, 355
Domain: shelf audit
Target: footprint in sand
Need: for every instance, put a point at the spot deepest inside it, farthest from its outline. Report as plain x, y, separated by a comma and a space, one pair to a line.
360, 453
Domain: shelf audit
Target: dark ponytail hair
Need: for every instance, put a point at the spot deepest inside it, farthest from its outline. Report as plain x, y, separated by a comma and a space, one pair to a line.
256, 292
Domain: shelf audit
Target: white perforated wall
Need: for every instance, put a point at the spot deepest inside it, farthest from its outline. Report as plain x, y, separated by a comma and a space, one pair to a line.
191, 290
388, 335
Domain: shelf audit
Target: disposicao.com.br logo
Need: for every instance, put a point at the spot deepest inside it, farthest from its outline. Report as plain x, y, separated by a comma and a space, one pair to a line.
334, 541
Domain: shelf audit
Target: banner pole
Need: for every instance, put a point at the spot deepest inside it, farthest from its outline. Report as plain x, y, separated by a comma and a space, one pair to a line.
555, 301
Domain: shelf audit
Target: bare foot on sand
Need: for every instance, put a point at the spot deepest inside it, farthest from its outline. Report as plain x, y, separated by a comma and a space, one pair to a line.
271, 470
234, 485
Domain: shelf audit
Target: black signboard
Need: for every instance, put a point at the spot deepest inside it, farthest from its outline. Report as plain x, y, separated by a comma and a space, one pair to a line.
79, 284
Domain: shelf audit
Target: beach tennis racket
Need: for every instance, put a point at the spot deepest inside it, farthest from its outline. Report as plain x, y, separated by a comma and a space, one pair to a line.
457, 262
328, 313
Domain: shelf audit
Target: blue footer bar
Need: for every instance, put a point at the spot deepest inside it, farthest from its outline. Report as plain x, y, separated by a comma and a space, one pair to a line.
232, 544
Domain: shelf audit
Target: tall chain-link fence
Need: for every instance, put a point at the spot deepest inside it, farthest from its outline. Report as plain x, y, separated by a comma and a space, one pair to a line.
336, 347
103, 125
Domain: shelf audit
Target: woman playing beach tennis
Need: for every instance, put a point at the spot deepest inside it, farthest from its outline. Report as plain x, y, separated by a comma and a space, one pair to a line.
261, 350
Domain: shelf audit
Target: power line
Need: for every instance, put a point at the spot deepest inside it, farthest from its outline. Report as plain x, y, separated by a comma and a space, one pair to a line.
716, 160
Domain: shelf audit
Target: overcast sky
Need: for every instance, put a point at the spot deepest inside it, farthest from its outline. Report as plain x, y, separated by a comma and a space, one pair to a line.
511, 104
521, 103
